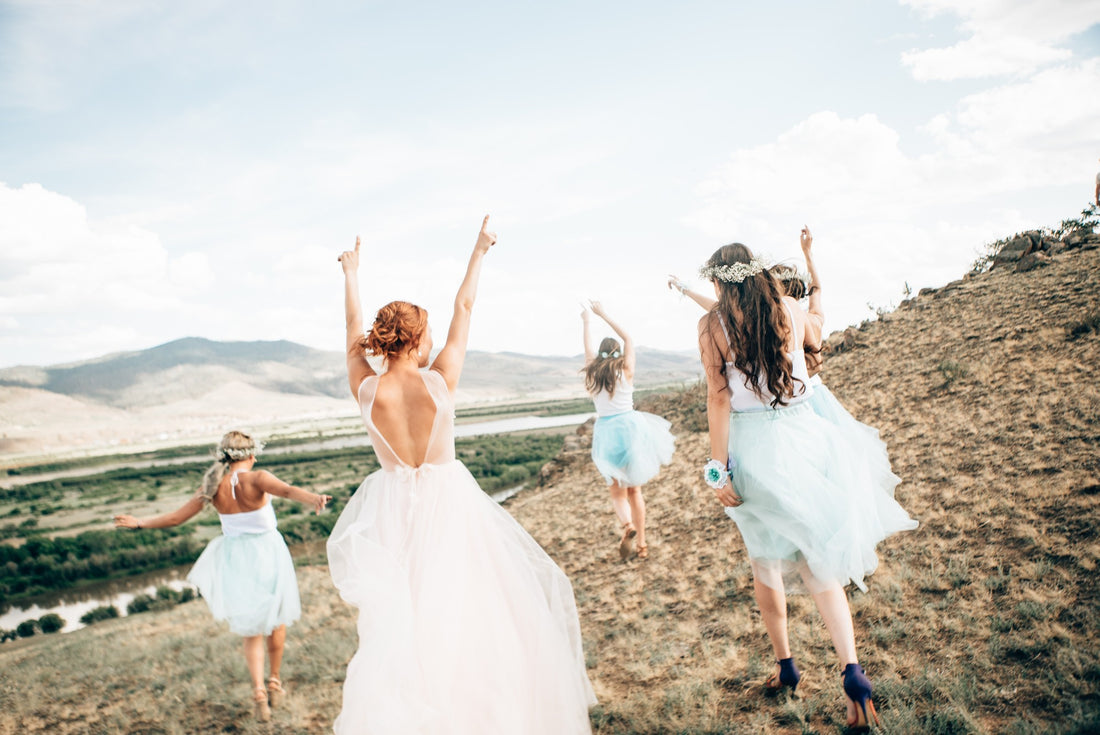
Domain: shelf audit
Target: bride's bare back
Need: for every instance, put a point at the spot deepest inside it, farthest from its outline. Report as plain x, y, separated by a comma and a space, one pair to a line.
404, 413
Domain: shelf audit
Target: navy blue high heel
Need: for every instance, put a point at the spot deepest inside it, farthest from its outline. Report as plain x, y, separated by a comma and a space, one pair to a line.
857, 687
788, 676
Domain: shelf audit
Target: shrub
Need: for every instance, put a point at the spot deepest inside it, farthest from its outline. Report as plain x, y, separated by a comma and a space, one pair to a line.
51, 623
952, 370
165, 592
104, 612
27, 628
1087, 325
140, 604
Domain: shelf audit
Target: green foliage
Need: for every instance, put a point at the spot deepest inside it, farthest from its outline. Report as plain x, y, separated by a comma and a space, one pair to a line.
43, 564
51, 623
952, 371
27, 628
104, 612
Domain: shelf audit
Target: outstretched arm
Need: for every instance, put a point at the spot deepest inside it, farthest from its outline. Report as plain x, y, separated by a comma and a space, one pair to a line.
449, 360
815, 314
703, 301
589, 353
358, 367
272, 485
628, 343
175, 518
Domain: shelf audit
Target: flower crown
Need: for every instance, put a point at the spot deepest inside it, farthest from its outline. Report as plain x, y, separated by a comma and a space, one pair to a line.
605, 355
734, 273
234, 454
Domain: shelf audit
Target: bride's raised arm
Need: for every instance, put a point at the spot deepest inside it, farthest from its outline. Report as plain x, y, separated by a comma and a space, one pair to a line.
449, 360
358, 367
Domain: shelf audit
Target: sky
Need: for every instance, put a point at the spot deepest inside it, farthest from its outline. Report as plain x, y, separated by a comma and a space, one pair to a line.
193, 169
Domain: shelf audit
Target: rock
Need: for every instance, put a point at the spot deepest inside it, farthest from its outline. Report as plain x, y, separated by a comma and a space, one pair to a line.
1031, 261
1013, 250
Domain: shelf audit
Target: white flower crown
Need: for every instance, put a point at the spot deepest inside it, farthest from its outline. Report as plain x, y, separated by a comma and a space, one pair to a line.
239, 455
616, 353
736, 272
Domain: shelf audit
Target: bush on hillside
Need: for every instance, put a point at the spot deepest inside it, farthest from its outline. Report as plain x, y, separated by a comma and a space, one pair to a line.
104, 612
51, 623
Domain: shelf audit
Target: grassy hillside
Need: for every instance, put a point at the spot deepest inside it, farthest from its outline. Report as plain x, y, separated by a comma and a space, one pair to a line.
983, 620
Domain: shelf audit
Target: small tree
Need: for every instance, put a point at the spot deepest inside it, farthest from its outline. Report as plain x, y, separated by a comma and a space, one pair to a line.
27, 628
51, 623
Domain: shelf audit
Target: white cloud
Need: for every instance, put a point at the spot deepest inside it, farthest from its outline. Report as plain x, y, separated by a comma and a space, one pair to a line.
982, 56
883, 217
1004, 37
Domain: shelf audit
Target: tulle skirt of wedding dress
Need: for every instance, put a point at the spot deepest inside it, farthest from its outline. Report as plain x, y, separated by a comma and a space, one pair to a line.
466, 626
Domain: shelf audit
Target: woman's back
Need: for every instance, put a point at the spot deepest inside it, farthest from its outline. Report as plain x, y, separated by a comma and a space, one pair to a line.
408, 415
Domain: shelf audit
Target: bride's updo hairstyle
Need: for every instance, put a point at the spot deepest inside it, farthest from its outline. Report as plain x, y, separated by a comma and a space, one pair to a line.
750, 304
398, 326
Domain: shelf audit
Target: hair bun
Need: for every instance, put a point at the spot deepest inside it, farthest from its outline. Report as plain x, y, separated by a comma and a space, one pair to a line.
397, 326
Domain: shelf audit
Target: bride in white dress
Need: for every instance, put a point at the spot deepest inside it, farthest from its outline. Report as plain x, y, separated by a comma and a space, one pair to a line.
466, 626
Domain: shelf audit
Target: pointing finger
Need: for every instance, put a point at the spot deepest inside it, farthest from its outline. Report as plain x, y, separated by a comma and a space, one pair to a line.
484, 222
357, 244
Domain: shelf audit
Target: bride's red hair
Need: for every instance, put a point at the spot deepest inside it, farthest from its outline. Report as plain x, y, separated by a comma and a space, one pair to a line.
398, 326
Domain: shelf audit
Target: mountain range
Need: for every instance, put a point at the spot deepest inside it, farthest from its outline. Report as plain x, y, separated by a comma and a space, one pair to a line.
195, 388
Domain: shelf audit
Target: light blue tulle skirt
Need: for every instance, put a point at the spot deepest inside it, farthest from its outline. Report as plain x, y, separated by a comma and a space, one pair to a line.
818, 494
631, 447
248, 581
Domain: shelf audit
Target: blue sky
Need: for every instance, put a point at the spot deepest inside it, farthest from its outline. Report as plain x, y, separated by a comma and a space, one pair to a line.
176, 169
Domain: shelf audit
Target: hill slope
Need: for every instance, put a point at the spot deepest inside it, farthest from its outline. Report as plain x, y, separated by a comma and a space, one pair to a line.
983, 620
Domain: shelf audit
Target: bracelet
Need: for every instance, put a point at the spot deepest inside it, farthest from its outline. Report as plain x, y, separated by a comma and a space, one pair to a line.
715, 474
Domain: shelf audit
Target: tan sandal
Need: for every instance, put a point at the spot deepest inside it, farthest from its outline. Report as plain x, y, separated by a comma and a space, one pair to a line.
260, 709
626, 545
275, 691
643, 551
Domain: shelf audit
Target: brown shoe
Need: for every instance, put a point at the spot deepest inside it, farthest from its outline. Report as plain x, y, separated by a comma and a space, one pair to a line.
275, 691
643, 551
626, 546
260, 709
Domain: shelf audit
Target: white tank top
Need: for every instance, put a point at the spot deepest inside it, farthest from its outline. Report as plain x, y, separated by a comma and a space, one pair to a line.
260, 520
621, 402
743, 398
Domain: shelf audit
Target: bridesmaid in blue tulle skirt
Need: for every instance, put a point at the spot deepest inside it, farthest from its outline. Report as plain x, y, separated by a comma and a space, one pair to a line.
809, 488
628, 447
246, 574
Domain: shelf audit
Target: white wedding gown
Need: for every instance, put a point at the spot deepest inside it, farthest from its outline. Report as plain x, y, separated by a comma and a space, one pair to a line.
466, 626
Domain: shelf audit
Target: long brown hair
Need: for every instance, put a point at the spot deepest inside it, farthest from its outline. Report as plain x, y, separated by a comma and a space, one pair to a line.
606, 368
752, 310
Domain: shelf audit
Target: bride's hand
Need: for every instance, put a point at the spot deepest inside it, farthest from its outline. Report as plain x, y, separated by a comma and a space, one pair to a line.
485, 239
805, 239
349, 259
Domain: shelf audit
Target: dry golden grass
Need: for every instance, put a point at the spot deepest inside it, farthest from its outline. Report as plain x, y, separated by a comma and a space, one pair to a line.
983, 620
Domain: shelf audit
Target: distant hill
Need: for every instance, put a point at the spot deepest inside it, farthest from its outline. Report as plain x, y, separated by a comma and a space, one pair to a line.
194, 388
